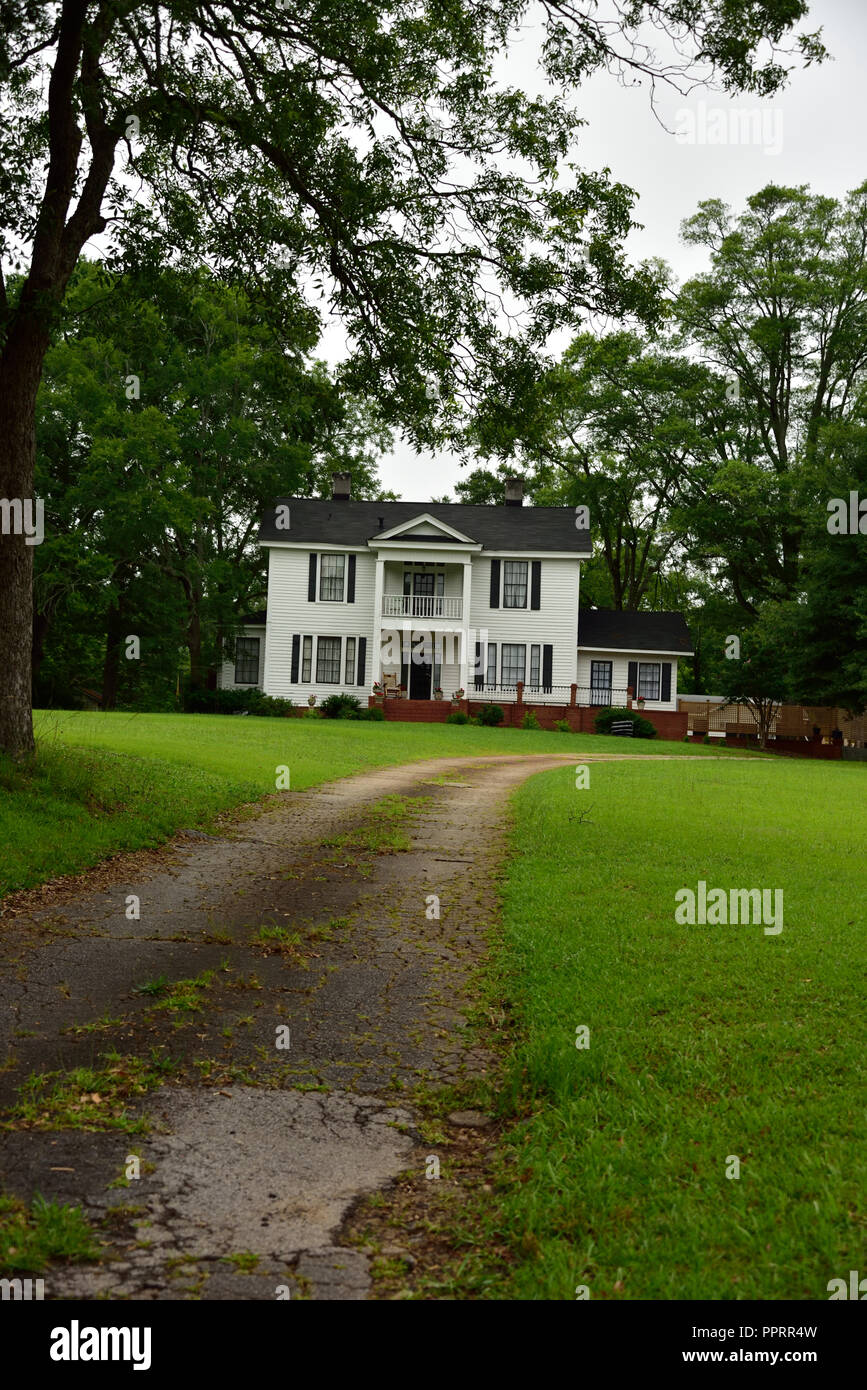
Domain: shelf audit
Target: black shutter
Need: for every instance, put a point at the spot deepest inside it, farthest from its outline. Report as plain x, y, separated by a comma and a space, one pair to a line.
479, 681
666, 681
296, 650
632, 677
536, 584
547, 666
311, 580
362, 660
350, 581
495, 583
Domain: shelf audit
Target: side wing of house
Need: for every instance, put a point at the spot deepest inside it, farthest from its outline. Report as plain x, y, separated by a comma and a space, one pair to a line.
243, 667
618, 651
320, 620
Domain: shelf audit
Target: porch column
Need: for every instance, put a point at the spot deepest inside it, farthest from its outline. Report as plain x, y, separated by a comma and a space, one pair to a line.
377, 618
466, 660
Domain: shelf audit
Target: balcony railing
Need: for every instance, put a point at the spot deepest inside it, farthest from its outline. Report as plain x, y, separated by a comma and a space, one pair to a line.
421, 606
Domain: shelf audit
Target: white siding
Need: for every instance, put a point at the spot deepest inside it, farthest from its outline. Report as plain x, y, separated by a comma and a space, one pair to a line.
226, 673
290, 612
620, 673
555, 622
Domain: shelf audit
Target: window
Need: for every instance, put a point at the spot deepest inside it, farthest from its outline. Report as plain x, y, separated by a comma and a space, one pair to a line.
648, 679
515, 584
307, 659
349, 676
513, 664
246, 660
328, 660
331, 578
424, 583
600, 682
535, 658
492, 664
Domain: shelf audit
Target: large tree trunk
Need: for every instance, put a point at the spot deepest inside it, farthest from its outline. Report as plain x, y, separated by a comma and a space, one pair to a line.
194, 647
20, 373
111, 666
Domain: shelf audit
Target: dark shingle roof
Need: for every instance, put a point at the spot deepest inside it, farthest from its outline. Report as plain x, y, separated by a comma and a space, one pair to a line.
634, 632
319, 522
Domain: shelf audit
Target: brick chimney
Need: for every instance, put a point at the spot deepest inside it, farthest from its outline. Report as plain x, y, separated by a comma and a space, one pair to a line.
514, 492
341, 486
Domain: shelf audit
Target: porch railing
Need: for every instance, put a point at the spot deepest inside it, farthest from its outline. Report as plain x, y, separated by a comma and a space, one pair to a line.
421, 606
544, 694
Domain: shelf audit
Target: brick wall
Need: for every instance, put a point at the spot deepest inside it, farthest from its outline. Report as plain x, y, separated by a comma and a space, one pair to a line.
669, 724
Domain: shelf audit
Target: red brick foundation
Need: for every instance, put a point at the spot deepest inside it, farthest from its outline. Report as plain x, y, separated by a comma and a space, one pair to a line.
669, 724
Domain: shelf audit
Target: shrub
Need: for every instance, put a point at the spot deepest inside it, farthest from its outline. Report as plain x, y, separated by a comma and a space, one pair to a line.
530, 721
491, 715
641, 728
251, 701
340, 706
374, 713
562, 726
457, 717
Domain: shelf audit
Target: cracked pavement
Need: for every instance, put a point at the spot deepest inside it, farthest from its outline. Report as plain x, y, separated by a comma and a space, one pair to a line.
253, 1155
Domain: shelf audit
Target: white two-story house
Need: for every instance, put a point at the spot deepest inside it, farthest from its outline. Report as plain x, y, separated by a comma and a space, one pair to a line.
442, 596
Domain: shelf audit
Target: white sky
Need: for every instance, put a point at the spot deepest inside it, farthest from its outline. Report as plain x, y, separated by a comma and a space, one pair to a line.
814, 133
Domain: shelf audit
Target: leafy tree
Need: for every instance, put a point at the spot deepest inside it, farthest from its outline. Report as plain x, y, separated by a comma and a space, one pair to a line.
361, 152
161, 494
782, 313
761, 677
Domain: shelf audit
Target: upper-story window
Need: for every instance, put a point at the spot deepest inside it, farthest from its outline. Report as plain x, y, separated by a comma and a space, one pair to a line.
332, 574
515, 583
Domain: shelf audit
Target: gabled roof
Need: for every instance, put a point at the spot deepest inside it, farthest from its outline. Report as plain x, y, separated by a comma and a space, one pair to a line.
609, 629
329, 523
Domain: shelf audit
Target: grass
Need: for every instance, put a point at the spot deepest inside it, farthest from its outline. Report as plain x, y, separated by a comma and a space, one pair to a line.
106, 783
31, 1236
88, 1098
705, 1042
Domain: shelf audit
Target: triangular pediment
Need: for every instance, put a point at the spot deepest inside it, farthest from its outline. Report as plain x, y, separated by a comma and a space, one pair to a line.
424, 527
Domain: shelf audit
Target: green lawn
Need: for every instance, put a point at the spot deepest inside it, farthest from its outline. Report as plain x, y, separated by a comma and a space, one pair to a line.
110, 782
705, 1041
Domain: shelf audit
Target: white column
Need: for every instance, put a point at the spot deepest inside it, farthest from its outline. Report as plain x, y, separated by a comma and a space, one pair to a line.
377, 618
467, 658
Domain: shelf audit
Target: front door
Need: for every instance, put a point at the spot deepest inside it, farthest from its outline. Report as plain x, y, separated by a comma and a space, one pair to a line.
419, 680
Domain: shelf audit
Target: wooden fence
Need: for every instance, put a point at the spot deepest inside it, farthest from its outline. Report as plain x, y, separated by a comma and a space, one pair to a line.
792, 721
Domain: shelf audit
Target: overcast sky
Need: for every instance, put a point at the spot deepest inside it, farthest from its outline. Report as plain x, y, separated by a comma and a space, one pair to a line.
813, 133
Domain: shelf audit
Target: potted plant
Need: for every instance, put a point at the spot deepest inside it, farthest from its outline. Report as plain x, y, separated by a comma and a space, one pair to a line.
311, 700
640, 702
458, 696
438, 693
403, 692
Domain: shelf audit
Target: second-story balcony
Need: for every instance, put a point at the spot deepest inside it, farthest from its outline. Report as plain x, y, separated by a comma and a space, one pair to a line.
421, 606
